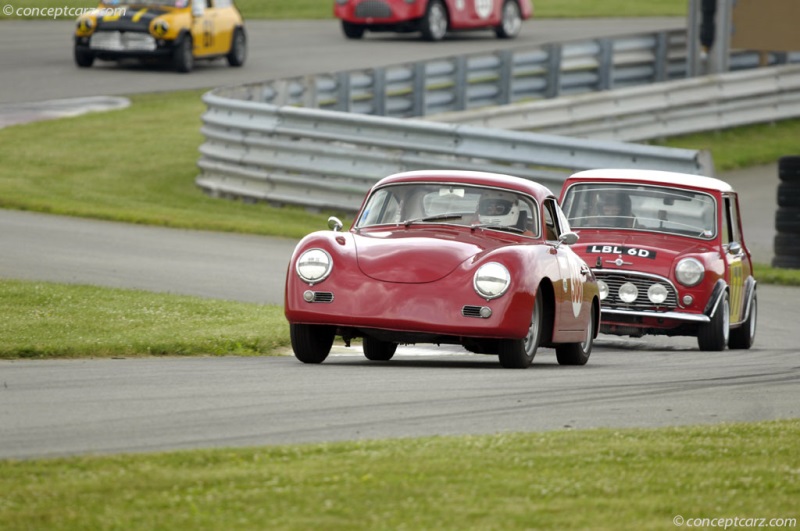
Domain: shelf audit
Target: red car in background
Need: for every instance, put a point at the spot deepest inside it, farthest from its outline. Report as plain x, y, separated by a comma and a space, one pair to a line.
668, 252
433, 18
476, 259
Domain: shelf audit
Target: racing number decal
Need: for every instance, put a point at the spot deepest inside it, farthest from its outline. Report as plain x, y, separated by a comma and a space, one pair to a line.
483, 8
572, 282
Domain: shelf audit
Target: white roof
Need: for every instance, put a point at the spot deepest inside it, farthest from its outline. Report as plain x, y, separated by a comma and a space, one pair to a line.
668, 178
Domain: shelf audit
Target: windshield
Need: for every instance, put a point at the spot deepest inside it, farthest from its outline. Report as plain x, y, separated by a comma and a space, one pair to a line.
407, 204
165, 3
651, 208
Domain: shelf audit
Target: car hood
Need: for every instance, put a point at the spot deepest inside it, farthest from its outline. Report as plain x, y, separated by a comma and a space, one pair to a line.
415, 256
131, 20
635, 250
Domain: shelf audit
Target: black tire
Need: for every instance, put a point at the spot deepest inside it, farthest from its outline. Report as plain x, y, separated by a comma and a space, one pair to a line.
713, 336
787, 219
744, 336
352, 31
83, 58
789, 194
787, 244
578, 353
182, 56
377, 350
519, 353
789, 168
435, 22
238, 53
511, 21
311, 343
786, 262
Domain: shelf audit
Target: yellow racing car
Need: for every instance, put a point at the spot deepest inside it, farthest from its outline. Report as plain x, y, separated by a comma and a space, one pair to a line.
179, 31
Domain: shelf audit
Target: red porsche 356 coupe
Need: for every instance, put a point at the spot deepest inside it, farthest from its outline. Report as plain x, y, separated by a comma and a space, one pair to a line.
476, 259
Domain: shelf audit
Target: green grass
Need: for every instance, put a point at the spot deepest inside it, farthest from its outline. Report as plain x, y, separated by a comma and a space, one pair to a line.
135, 165
47, 320
323, 9
593, 479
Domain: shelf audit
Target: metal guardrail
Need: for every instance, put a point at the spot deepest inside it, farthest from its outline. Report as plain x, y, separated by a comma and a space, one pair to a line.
329, 159
321, 141
498, 78
653, 111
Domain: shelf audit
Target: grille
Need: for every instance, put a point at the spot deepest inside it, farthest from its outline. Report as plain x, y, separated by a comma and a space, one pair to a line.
116, 41
323, 296
373, 9
642, 282
472, 311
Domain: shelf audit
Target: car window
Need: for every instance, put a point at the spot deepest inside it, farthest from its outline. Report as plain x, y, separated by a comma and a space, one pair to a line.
451, 204
551, 221
732, 233
641, 207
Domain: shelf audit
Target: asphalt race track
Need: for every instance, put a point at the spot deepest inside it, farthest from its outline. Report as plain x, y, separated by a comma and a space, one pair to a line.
66, 407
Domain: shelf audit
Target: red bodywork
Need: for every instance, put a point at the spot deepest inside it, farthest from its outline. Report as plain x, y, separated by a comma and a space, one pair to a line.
649, 251
410, 283
401, 16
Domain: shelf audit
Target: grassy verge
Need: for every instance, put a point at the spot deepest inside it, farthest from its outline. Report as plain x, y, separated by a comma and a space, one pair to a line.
46, 320
116, 166
594, 479
323, 9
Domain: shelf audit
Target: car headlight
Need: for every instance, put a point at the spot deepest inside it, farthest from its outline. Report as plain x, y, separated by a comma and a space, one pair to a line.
602, 287
628, 292
160, 28
491, 280
689, 272
657, 293
314, 265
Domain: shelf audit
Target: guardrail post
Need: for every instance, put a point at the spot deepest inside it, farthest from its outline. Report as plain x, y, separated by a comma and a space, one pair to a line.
418, 95
605, 64
553, 71
310, 92
661, 59
506, 78
379, 91
343, 91
460, 80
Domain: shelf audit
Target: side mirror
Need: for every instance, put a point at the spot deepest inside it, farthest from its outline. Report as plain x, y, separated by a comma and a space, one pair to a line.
335, 224
734, 248
568, 238
198, 8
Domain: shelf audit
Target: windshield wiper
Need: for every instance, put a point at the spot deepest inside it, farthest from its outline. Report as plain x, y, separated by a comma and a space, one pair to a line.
509, 228
438, 217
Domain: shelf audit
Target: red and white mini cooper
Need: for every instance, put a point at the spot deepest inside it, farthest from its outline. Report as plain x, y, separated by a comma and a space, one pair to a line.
668, 253
433, 18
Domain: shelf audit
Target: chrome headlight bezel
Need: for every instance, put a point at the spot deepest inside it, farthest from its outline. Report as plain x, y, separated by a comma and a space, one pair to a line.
491, 280
314, 265
689, 272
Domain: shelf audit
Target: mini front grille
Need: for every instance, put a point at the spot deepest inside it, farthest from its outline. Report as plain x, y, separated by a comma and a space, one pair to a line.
117, 41
323, 296
615, 279
373, 9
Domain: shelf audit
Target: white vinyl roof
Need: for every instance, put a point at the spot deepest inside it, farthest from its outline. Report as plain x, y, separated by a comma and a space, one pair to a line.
667, 178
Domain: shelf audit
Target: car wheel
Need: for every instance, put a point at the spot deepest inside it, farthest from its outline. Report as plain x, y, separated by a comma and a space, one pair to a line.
744, 336
238, 53
714, 335
182, 58
519, 353
578, 353
311, 343
434, 22
377, 350
789, 168
352, 31
511, 21
83, 58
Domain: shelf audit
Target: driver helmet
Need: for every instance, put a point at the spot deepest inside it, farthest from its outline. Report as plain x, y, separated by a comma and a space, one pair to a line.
498, 208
